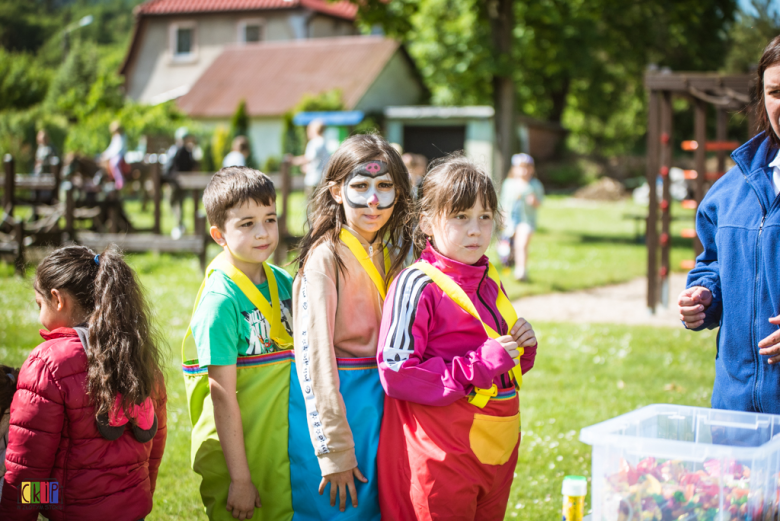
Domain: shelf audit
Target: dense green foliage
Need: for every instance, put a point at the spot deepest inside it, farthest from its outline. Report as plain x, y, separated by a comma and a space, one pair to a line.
578, 62
749, 35
67, 81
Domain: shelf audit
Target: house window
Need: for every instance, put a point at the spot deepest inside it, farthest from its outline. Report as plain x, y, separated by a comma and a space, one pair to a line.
251, 30
183, 41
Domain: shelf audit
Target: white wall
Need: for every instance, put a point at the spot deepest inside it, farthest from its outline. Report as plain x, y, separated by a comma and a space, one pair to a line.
265, 135
479, 143
395, 85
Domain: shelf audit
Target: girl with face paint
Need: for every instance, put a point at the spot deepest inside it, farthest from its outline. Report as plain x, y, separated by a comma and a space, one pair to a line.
359, 235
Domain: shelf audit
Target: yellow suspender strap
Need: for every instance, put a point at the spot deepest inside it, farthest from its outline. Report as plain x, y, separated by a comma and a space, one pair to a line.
271, 310
456, 293
362, 256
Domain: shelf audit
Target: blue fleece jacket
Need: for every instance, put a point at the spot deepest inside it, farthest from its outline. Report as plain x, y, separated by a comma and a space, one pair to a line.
738, 223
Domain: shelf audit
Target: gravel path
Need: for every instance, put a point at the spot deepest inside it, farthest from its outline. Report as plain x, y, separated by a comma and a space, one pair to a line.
615, 304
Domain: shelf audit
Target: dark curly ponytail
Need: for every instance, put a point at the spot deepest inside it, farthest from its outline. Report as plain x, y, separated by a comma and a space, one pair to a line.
123, 353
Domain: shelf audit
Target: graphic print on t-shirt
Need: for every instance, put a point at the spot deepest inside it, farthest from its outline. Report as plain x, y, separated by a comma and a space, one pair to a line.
259, 341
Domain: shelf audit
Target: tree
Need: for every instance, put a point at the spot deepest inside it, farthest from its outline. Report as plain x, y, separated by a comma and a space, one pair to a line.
750, 34
23, 81
239, 126
579, 62
239, 122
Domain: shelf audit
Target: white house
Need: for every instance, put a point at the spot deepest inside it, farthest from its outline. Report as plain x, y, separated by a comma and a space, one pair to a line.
372, 73
175, 41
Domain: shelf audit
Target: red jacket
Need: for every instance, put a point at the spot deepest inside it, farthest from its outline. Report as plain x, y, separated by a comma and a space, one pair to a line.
53, 436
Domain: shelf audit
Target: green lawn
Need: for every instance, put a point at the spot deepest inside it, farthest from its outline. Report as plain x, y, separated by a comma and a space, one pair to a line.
579, 244
576, 381
582, 244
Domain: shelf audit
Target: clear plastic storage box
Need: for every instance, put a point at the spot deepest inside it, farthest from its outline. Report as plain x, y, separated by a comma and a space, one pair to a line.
671, 462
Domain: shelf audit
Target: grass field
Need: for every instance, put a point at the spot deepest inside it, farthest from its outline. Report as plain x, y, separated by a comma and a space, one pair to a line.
584, 373
579, 244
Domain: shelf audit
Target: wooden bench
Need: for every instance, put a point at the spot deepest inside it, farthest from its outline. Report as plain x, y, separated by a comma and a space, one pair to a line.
143, 242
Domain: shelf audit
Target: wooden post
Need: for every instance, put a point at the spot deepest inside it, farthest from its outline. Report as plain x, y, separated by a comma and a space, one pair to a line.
200, 231
19, 236
700, 159
70, 209
721, 128
651, 236
667, 116
280, 255
10, 184
195, 201
56, 170
113, 213
157, 195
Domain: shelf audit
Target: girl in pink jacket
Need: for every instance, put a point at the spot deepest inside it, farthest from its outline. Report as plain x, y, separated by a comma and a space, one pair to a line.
449, 348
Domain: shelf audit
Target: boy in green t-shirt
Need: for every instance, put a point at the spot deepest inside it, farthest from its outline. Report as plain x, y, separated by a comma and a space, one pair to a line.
241, 207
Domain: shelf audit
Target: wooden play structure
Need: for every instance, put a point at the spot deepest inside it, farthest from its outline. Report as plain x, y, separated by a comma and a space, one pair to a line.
83, 218
727, 94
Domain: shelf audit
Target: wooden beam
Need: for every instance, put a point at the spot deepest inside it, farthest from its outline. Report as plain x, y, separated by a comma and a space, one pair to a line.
667, 116
651, 172
157, 195
280, 255
700, 158
8, 184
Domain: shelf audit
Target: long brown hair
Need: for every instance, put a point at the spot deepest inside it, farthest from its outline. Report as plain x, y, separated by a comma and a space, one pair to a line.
326, 216
452, 185
770, 57
123, 354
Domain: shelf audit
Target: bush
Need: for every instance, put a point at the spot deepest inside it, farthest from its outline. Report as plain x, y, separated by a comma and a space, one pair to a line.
295, 137
220, 145
23, 81
272, 165
18, 129
91, 136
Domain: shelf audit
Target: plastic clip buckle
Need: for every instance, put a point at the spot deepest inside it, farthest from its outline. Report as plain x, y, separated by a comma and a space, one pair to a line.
482, 396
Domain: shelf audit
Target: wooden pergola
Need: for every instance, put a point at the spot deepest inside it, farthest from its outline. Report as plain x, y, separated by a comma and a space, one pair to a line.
727, 94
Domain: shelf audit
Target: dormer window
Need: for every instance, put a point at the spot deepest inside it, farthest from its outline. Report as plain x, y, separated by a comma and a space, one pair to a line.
183, 41
251, 30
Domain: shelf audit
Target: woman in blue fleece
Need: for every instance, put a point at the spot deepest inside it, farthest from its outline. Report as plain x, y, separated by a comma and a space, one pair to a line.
736, 281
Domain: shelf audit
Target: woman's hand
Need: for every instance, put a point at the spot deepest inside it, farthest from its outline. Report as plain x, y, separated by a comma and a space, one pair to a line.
771, 344
693, 302
341, 482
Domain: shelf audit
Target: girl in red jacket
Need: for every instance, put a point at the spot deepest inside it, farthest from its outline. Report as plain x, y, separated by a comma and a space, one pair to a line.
88, 420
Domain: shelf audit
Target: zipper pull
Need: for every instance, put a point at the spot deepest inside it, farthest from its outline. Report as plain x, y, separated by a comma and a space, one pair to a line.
370, 250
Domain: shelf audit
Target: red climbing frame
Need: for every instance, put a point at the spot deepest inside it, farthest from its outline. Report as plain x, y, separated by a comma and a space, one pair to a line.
727, 94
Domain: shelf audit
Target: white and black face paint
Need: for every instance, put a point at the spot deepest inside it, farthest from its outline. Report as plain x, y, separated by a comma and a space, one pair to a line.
364, 186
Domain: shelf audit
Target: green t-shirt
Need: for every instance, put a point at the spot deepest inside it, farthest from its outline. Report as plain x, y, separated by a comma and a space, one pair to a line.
227, 325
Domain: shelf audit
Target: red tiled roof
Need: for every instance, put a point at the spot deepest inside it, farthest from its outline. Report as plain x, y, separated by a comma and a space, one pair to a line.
273, 76
342, 9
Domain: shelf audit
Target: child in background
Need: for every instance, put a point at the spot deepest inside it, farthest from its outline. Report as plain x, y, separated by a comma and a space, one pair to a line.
89, 411
242, 320
239, 153
448, 349
357, 240
8, 376
521, 196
